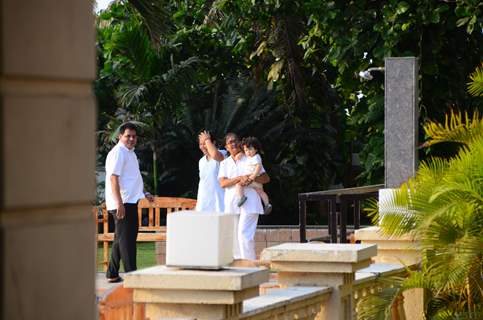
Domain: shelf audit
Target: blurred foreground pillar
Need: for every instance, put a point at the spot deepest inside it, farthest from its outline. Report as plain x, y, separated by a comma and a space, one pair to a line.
47, 182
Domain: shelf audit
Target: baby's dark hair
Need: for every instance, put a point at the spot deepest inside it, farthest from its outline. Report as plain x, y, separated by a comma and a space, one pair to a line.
252, 142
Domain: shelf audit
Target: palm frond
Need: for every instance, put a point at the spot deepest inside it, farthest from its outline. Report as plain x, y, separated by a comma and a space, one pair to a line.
443, 208
215, 12
156, 16
133, 44
130, 95
378, 306
166, 89
455, 129
475, 86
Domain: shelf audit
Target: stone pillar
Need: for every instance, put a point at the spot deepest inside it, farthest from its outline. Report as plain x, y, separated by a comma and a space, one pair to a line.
403, 250
400, 120
47, 145
198, 294
315, 264
397, 250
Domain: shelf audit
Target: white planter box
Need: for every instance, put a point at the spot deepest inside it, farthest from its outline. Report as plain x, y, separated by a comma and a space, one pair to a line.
199, 240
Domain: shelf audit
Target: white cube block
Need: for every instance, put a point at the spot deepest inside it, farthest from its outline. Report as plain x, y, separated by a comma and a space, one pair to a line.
199, 239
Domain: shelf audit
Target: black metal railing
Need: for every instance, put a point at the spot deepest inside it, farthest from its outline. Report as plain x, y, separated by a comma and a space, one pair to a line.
338, 202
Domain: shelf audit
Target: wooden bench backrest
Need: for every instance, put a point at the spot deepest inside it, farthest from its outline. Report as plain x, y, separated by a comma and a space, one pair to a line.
154, 209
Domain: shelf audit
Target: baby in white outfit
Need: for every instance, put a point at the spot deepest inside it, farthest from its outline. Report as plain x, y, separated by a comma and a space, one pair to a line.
251, 147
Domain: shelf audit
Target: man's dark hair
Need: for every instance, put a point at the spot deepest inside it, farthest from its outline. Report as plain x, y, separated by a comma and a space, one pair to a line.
127, 125
252, 142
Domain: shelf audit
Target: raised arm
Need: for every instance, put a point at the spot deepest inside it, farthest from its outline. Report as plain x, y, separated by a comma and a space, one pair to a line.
213, 152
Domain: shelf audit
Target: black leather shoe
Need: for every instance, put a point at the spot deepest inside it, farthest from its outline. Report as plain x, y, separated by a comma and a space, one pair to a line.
114, 280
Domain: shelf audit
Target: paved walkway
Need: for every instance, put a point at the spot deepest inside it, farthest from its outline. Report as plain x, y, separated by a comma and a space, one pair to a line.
102, 286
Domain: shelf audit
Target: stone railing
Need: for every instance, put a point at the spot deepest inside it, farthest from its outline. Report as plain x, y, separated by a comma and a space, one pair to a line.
290, 303
368, 281
315, 280
403, 250
309, 281
293, 302
322, 265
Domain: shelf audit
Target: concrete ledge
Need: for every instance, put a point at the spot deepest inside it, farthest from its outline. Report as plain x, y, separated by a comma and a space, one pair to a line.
276, 298
162, 277
194, 296
393, 250
377, 270
319, 267
319, 252
374, 233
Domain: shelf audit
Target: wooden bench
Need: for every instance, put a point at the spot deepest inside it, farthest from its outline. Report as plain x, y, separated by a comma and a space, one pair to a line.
152, 212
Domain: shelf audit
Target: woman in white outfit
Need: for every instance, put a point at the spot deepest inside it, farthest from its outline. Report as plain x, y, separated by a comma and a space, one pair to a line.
210, 195
231, 173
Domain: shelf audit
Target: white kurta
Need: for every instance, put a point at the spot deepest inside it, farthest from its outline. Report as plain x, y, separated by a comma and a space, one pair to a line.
210, 195
246, 225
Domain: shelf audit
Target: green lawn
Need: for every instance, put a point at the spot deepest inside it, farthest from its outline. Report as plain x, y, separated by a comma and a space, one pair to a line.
145, 255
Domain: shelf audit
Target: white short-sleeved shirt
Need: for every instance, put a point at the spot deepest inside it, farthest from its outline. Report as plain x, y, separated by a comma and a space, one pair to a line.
229, 168
250, 164
210, 194
123, 163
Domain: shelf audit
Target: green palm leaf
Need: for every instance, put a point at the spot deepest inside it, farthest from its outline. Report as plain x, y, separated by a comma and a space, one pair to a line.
156, 17
455, 129
443, 208
475, 86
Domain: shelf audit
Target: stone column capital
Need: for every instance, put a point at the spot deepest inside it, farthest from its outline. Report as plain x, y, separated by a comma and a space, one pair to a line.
204, 294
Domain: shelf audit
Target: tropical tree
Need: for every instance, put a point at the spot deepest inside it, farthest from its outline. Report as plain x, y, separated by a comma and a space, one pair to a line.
344, 38
442, 207
180, 86
168, 63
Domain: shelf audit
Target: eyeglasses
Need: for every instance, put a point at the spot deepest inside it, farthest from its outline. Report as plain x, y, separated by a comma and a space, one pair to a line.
230, 141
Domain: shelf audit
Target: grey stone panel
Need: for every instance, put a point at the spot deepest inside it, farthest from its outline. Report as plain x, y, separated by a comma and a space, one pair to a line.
400, 120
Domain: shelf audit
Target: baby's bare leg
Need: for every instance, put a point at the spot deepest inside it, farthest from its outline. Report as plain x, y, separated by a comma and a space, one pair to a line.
239, 190
262, 195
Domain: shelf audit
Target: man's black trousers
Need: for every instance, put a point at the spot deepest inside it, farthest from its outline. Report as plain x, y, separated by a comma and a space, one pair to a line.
124, 245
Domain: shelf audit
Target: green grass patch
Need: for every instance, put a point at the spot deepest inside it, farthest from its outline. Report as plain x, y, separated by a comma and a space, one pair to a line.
145, 255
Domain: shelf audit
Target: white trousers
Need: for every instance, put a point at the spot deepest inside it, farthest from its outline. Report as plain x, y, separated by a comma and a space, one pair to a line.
244, 237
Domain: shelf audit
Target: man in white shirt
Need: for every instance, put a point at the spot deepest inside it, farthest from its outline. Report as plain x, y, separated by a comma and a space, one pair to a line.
210, 195
231, 173
124, 188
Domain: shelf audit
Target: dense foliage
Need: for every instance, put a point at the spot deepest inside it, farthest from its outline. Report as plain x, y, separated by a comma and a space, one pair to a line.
284, 71
442, 207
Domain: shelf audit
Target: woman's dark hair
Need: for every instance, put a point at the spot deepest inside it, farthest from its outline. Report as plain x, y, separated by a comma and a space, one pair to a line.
231, 135
252, 142
127, 125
